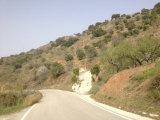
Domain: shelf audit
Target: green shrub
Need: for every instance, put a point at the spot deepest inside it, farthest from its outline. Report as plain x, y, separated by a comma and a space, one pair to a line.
14, 101
70, 41
80, 54
57, 69
157, 8
68, 57
115, 16
128, 16
123, 15
98, 32
136, 31
107, 39
91, 27
91, 52
74, 78
59, 41
125, 34
145, 17
145, 27
117, 22
125, 21
76, 71
17, 66
131, 26
98, 44
145, 11
95, 70
138, 18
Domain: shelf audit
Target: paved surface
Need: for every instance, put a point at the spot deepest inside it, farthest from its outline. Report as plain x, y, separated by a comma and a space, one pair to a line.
62, 105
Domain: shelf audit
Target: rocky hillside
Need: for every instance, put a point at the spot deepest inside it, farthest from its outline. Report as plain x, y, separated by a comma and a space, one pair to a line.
109, 47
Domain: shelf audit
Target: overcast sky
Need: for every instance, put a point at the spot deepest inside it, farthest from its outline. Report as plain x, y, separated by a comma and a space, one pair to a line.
27, 24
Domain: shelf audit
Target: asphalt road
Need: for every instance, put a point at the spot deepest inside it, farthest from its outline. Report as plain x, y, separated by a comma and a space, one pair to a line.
62, 105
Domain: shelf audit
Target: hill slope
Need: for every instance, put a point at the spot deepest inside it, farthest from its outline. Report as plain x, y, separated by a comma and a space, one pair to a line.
125, 42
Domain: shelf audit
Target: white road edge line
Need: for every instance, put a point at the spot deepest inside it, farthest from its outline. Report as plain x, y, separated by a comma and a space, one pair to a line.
105, 109
28, 112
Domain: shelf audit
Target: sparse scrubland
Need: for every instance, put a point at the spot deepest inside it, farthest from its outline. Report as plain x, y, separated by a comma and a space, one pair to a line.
125, 49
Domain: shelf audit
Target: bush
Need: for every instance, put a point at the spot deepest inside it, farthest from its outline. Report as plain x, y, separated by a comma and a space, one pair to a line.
76, 71
59, 41
57, 69
128, 16
145, 17
80, 54
136, 31
115, 16
95, 70
138, 18
70, 41
145, 11
98, 32
98, 44
91, 27
157, 8
74, 78
91, 52
123, 15
145, 27
131, 26
124, 21
125, 34
68, 57
17, 66
107, 39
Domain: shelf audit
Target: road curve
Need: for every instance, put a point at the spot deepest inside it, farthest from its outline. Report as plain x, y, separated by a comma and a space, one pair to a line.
63, 105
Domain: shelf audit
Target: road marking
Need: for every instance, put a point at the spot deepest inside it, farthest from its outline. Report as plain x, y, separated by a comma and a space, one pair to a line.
28, 112
105, 109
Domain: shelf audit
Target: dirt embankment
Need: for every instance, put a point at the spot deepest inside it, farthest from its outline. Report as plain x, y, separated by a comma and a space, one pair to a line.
122, 92
116, 85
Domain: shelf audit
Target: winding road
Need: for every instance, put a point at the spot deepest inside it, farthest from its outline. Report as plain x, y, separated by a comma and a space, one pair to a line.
63, 105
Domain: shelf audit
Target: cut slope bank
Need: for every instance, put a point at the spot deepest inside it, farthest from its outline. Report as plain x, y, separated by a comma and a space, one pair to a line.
120, 91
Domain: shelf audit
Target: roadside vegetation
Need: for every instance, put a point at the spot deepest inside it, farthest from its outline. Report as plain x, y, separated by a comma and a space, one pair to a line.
14, 101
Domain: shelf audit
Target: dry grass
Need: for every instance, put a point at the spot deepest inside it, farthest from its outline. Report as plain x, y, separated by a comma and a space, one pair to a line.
14, 101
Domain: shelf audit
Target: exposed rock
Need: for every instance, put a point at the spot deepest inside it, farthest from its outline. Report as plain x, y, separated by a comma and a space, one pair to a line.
42, 70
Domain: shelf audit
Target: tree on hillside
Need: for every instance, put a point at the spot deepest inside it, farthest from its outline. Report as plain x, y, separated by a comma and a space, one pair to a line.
76, 71
80, 54
98, 32
95, 71
115, 16
149, 47
91, 52
68, 57
128, 54
57, 69
157, 8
